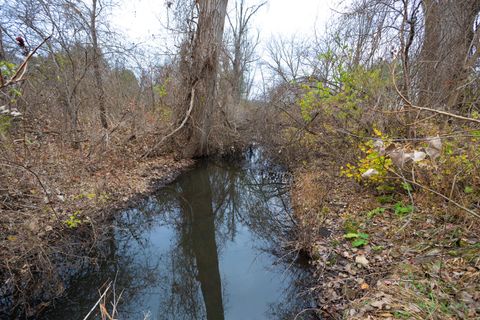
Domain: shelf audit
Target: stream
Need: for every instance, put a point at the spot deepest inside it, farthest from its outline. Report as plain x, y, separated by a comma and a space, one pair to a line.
207, 246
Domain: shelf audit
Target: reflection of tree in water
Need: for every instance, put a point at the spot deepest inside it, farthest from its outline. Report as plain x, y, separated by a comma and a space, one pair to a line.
205, 209
214, 201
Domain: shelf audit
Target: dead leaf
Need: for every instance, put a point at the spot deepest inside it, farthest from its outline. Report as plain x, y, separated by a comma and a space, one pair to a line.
377, 304
362, 260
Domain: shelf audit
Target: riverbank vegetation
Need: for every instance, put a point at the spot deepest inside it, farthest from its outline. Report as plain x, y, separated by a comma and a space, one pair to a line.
382, 133
377, 117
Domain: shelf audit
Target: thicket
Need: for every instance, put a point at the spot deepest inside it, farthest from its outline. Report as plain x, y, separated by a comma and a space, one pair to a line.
370, 102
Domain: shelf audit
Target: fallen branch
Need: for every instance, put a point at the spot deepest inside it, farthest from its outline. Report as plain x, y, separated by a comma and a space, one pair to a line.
45, 191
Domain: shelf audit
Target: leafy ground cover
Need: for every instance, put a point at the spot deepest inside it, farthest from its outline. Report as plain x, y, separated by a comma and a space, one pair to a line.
384, 257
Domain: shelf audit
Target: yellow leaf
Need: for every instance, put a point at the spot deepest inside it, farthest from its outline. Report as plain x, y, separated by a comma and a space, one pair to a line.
91, 196
11, 238
364, 286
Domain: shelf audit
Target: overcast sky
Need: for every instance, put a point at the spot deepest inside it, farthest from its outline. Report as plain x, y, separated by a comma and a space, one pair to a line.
142, 20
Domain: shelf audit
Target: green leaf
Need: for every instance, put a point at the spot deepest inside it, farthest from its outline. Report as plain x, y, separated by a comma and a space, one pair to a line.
402, 209
407, 186
91, 196
359, 243
468, 189
385, 199
363, 235
374, 212
351, 235
476, 133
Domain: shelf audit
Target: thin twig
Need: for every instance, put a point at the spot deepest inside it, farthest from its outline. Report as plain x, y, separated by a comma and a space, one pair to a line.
98, 301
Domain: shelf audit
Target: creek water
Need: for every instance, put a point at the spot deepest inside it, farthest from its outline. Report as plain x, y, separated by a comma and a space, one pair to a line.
207, 246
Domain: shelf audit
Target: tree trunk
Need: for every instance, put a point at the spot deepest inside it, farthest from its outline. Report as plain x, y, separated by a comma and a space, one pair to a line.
2, 58
201, 76
237, 81
2, 51
446, 46
97, 57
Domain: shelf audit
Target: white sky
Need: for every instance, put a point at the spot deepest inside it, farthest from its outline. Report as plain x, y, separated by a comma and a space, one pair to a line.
143, 19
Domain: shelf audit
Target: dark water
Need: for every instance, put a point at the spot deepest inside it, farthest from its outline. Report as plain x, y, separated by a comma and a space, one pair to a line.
208, 246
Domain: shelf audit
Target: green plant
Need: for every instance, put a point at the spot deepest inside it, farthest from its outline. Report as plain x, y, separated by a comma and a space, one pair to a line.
468, 190
7, 69
5, 124
385, 199
374, 212
73, 220
161, 89
407, 187
373, 166
358, 239
400, 314
346, 91
401, 209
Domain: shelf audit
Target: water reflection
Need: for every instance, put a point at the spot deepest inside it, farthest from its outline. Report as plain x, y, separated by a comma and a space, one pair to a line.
202, 248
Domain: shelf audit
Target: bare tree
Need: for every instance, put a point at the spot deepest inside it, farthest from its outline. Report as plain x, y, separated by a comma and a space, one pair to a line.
200, 66
287, 58
243, 46
2, 50
97, 58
